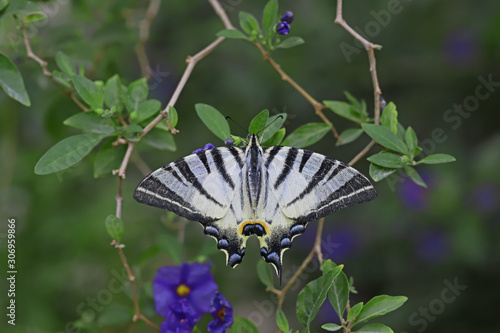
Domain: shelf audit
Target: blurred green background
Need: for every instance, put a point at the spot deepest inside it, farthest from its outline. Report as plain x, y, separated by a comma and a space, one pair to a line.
409, 241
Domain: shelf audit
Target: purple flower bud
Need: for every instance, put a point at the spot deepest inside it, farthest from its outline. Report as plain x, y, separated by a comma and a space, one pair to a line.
229, 142
208, 146
287, 17
283, 28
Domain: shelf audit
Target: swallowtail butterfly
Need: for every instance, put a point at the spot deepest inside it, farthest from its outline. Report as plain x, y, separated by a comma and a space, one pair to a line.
271, 192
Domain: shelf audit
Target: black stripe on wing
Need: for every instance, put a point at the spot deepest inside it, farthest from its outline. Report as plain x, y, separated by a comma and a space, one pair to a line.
221, 167
151, 191
186, 171
356, 190
287, 167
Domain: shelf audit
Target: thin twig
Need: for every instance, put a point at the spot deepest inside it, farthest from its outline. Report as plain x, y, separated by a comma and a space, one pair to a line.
126, 158
377, 92
144, 26
318, 107
137, 315
31, 54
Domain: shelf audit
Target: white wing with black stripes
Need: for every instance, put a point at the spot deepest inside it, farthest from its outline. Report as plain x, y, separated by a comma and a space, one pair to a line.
271, 192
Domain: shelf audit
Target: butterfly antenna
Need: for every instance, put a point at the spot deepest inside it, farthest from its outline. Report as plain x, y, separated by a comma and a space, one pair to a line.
272, 122
229, 118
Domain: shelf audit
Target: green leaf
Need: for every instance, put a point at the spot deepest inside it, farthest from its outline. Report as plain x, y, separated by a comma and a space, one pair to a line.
62, 78
34, 18
354, 312
313, 295
282, 321
290, 42
385, 137
259, 122
387, 159
108, 158
214, 120
173, 118
265, 274
88, 91
19, 7
349, 135
339, 294
331, 327
3, 4
67, 153
346, 110
389, 118
242, 325
360, 107
276, 139
147, 109
113, 92
273, 125
12, 81
379, 306
414, 176
160, 139
232, 33
411, 141
269, 17
374, 328
249, 24
137, 92
378, 173
307, 135
114, 226
437, 159
171, 246
90, 122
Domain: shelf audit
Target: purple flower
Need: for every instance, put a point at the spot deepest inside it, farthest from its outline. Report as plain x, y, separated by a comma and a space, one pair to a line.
207, 147
191, 284
222, 312
283, 28
287, 17
180, 319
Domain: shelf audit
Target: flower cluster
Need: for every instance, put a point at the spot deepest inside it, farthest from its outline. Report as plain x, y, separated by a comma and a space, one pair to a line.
283, 28
207, 147
183, 294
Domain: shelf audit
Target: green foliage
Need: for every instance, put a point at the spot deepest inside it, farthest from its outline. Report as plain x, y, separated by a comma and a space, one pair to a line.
354, 110
214, 120
259, 122
314, 294
90, 92
307, 135
404, 144
243, 325
173, 118
114, 227
108, 158
265, 35
90, 122
273, 125
67, 153
266, 275
12, 82
379, 306
282, 321
349, 135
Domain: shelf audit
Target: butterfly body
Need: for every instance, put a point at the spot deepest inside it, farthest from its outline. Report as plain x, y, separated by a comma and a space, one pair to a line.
271, 192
